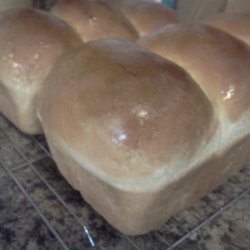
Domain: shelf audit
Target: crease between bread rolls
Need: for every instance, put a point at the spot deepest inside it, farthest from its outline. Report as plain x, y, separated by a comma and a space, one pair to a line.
145, 16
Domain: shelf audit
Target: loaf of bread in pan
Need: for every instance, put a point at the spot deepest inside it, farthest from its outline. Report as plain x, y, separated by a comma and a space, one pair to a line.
236, 24
146, 16
95, 19
128, 123
30, 43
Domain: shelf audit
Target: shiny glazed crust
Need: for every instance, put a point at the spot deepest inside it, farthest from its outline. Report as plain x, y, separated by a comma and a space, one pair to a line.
95, 19
31, 41
144, 112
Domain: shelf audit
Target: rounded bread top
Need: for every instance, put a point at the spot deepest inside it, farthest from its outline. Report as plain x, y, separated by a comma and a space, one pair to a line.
31, 41
218, 62
123, 113
95, 19
236, 24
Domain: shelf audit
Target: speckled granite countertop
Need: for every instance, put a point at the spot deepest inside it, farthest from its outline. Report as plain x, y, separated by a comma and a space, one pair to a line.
39, 210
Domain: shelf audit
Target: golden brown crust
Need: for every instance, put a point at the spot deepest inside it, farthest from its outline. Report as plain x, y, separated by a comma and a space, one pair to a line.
236, 24
124, 113
146, 16
95, 19
31, 41
218, 62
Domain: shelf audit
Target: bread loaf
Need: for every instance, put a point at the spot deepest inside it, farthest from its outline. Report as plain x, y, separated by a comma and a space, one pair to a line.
128, 124
236, 24
140, 134
95, 19
146, 16
30, 43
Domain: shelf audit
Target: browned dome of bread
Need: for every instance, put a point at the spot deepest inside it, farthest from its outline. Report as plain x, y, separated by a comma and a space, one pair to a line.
146, 16
218, 62
95, 19
236, 24
30, 43
139, 107
126, 120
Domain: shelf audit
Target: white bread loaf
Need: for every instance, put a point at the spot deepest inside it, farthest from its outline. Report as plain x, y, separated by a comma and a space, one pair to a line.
146, 16
128, 124
236, 24
139, 135
95, 19
134, 131
31, 41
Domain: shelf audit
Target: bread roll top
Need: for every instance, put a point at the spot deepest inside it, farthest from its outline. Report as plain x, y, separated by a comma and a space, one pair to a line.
146, 16
236, 24
31, 41
95, 19
218, 62
123, 113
